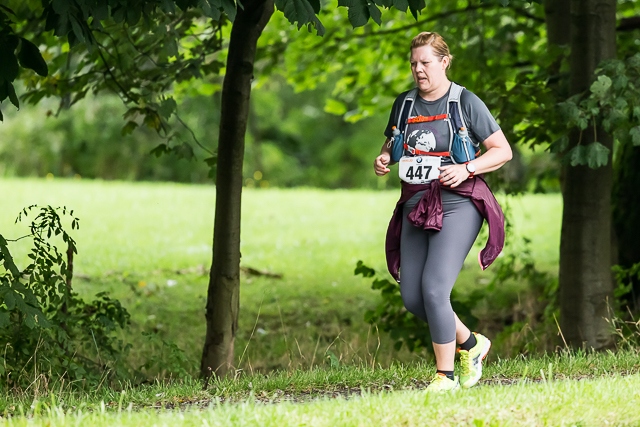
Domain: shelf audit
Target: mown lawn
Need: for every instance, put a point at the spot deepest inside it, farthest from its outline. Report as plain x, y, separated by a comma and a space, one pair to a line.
543, 404
304, 354
567, 389
149, 244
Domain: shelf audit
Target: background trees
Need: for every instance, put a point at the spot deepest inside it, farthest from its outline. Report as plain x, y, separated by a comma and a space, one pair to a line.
78, 21
514, 57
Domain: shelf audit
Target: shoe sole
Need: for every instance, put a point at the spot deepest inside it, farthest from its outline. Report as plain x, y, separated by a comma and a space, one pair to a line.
483, 355
451, 390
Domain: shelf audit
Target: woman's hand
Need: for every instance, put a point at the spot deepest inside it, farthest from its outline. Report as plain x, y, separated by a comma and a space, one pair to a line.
380, 164
453, 175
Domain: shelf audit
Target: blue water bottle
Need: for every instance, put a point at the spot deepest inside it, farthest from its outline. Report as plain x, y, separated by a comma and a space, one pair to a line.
397, 150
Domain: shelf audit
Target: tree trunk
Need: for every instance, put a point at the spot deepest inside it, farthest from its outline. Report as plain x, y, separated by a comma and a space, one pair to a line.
586, 285
626, 216
224, 280
556, 16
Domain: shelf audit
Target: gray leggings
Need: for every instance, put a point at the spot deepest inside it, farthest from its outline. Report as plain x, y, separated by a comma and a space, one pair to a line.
430, 262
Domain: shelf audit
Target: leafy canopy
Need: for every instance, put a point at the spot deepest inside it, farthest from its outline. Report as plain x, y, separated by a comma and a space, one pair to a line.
91, 22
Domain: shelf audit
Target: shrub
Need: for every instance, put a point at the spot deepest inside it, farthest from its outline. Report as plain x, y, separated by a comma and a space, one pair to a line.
47, 332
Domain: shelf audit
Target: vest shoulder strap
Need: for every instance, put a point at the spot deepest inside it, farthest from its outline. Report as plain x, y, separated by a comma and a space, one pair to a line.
455, 108
455, 92
405, 110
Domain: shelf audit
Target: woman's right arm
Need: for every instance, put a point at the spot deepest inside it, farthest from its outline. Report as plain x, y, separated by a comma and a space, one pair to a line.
381, 163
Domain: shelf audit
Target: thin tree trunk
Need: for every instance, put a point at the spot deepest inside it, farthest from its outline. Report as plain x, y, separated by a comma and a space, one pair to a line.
586, 285
556, 16
224, 280
626, 217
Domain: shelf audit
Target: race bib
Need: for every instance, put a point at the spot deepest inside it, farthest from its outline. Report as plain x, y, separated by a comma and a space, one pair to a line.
419, 169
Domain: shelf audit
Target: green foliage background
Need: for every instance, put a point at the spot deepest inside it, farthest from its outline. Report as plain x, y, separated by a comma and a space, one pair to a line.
291, 141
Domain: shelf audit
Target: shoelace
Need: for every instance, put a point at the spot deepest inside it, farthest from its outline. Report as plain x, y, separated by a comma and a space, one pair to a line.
464, 363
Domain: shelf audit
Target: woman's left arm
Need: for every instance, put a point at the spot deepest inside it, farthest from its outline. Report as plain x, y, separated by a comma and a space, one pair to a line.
498, 153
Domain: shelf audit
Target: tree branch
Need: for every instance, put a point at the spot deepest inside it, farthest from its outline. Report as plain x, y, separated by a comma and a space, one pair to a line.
629, 24
113, 77
193, 135
436, 17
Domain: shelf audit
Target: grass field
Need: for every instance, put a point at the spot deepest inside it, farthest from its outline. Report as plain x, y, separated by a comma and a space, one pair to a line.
524, 404
567, 389
149, 245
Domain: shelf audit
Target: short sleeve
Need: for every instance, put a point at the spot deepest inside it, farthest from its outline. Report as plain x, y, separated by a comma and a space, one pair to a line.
477, 116
393, 116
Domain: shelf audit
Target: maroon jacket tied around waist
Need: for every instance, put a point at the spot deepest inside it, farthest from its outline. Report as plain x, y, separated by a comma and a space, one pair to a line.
427, 214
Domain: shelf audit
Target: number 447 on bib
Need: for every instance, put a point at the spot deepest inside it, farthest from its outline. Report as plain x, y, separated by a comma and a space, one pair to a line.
419, 169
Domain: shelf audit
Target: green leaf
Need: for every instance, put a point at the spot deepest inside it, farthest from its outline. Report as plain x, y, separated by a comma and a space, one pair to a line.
415, 6
620, 82
593, 155
12, 95
30, 57
10, 300
167, 107
133, 15
578, 155
36, 314
168, 6
100, 12
315, 4
635, 136
8, 259
184, 151
366, 271
336, 107
375, 14
229, 7
128, 128
401, 5
211, 161
210, 10
559, 145
5, 320
205, 6
615, 119
600, 87
300, 12
77, 29
9, 65
160, 150
61, 7
6, 9
358, 11
597, 155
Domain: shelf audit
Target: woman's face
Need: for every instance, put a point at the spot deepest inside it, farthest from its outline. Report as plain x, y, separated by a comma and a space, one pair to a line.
428, 70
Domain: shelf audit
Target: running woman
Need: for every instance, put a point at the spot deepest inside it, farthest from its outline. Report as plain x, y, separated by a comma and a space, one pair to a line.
440, 212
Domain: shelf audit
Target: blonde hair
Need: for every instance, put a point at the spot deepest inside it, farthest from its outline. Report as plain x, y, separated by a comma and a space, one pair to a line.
436, 42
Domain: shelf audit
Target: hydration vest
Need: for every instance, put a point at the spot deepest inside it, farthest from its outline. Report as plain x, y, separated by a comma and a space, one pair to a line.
420, 138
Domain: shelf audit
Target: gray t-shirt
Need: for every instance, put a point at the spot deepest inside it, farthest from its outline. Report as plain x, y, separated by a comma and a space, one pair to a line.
479, 120
477, 116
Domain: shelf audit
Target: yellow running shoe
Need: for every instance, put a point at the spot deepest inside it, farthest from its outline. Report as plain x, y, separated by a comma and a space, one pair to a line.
471, 361
441, 384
